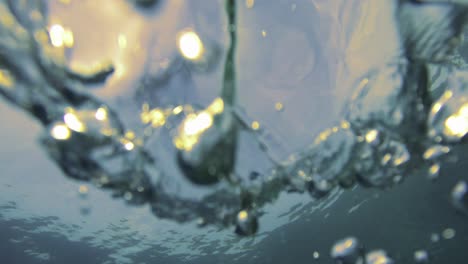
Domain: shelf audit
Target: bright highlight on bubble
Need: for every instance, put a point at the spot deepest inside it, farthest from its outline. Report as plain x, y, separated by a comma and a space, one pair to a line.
5, 79
255, 125
73, 122
242, 216
198, 124
190, 45
195, 125
372, 135
101, 114
83, 189
457, 124
60, 37
60, 132
129, 146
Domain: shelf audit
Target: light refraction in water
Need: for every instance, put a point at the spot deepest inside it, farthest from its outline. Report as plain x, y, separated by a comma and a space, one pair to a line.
186, 159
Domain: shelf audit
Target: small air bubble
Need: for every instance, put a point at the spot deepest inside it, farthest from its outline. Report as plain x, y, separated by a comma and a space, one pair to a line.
279, 106
83, 191
347, 251
378, 257
85, 210
448, 233
128, 196
421, 256
433, 172
435, 237
246, 223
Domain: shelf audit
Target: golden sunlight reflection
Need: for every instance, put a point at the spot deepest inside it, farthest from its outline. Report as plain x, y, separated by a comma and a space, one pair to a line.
73, 122
129, 141
129, 146
5, 79
60, 132
60, 37
190, 45
279, 106
195, 125
255, 125
344, 246
456, 125
101, 114
157, 117
83, 189
372, 135
242, 215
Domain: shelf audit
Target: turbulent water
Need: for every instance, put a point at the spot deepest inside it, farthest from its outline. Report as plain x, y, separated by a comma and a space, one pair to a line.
325, 98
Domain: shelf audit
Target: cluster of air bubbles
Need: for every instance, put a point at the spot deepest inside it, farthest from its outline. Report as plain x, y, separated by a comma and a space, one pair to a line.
85, 206
382, 159
393, 118
350, 251
206, 144
447, 234
433, 155
448, 119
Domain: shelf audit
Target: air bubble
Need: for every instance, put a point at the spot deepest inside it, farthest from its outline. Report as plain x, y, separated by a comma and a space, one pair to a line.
460, 197
279, 107
128, 196
378, 165
319, 188
435, 152
448, 118
433, 172
85, 210
378, 257
348, 251
246, 223
201, 53
448, 233
435, 237
421, 256
83, 191
372, 137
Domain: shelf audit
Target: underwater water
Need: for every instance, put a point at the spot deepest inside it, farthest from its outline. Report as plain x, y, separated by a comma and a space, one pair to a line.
340, 123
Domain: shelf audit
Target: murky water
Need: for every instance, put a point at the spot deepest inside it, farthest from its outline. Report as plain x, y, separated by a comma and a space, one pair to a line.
233, 132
